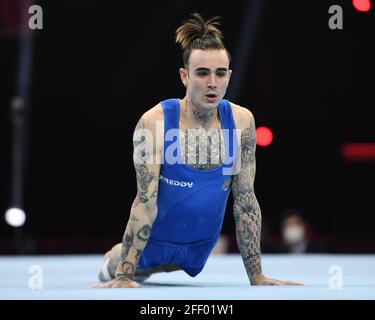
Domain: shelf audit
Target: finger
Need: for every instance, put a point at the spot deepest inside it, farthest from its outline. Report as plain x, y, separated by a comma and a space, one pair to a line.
108, 284
293, 283
130, 284
135, 284
97, 285
274, 282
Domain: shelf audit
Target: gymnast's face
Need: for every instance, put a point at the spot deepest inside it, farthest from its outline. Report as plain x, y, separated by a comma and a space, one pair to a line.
207, 77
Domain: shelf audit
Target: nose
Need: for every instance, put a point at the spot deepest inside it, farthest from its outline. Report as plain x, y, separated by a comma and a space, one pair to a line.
212, 81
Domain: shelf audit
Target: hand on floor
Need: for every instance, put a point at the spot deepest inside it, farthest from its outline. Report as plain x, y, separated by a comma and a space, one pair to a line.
117, 284
263, 281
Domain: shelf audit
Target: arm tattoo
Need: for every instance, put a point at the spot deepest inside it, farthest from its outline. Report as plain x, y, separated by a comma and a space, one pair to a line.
127, 273
247, 218
144, 233
138, 229
143, 173
136, 201
247, 213
127, 242
247, 146
138, 254
133, 218
132, 248
144, 178
154, 194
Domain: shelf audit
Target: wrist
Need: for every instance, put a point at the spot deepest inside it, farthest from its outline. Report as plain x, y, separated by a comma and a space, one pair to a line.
122, 277
256, 278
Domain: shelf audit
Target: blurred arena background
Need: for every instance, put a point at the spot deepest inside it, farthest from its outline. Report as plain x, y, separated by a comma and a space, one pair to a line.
96, 67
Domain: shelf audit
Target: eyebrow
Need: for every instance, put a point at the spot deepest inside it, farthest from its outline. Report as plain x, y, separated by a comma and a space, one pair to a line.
207, 69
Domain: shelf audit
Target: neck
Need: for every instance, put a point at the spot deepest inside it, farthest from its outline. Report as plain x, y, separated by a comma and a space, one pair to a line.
198, 117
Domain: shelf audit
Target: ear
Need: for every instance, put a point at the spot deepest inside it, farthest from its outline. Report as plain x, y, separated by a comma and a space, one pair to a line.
229, 74
183, 76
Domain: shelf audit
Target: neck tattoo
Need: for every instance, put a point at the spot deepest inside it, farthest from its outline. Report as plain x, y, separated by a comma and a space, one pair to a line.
203, 117
199, 116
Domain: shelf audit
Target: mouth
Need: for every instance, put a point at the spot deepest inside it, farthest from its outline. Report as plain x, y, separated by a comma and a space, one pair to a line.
211, 97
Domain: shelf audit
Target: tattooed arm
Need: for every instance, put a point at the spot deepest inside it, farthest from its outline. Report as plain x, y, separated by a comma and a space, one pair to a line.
246, 210
146, 158
247, 213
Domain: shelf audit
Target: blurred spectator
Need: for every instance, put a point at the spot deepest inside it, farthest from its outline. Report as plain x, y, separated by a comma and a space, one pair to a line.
296, 234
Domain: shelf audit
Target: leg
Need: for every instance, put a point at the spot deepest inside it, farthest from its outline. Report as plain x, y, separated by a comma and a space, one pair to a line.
112, 259
157, 269
110, 262
144, 274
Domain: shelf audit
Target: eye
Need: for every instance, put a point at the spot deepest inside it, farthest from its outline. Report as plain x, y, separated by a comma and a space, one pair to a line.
202, 73
221, 73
